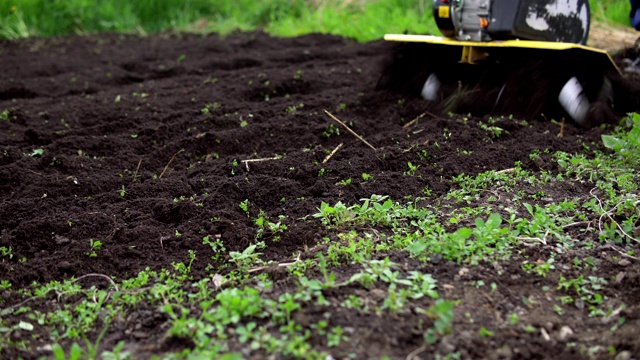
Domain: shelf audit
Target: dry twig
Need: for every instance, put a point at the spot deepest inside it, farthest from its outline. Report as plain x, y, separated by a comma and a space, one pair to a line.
114, 229
173, 158
9, 309
332, 153
349, 130
162, 239
297, 260
33, 172
246, 162
608, 215
576, 224
506, 171
414, 121
135, 174
113, 283
623, 253
528, 241
561, 133
417, 351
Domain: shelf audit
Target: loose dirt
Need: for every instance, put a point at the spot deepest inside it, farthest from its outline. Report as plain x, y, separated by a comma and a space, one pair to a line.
145, 143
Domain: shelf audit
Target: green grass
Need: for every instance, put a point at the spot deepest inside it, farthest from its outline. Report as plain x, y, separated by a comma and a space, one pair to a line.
359, 19
362, 20
612, 11
369, 21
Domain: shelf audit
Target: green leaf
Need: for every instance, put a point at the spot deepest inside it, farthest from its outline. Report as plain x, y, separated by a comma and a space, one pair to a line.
25, 326
249, 250
417, 247
494, 221
463, 233
58, 352
37, 152
76, 352
612, 142
118, 348
365, 205
529, 208
231, 356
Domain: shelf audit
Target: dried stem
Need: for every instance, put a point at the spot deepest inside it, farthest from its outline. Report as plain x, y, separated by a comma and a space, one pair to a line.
414, 121
561, 133
169, 163
623, 253
417, 351
113, 283
246, 162
349, 130
297, 260
332, 153
608, 215
135, 174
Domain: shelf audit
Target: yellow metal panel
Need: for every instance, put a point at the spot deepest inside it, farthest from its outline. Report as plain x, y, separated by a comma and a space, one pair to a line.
472, 54
443, 12
466, 55
524, 44
498, 43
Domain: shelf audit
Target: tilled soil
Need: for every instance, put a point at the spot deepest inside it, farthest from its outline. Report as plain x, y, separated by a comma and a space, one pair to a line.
145, 145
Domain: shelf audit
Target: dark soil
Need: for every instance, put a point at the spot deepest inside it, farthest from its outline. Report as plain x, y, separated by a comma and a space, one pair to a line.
130, 158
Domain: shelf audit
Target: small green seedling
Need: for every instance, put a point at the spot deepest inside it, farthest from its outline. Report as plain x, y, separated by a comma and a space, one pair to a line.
96, 245
6, 252
244, 205
37, 153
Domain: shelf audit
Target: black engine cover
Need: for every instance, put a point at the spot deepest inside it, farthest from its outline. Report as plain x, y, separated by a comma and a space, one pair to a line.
545, 20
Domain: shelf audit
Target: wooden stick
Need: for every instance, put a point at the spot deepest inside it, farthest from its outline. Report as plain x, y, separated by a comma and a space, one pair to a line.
31, 171
169, 163
412, 355
561, 133
109, 279
262, 159
332, 153
506, 171
246, 162
417, 118
136, 172
349, 130
297, 260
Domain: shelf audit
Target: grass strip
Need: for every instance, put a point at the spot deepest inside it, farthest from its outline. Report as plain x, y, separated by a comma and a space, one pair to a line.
363, 20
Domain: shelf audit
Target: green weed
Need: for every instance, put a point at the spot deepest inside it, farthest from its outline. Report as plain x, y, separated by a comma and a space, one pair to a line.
611, 11
6, 115
245, 259
412, 169
96, 245
442, 314
331, 131
6, 252
210, 108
